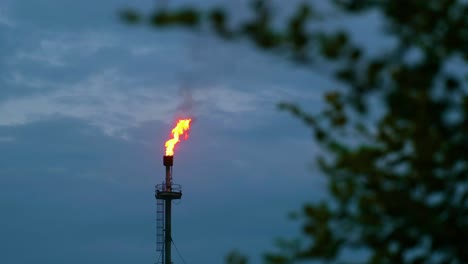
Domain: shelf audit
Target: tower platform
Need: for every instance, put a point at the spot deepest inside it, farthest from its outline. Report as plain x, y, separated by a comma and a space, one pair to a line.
165, 193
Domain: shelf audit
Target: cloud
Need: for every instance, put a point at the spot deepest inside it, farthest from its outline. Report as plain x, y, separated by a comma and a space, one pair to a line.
142, 51
7, 139
21, 80
106, 100
114, 102
227, 100
138, 88
57, 50
117, 80
5, 20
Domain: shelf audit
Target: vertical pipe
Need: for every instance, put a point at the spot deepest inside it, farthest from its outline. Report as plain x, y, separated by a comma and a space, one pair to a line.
168, 237
168, 179
168, 161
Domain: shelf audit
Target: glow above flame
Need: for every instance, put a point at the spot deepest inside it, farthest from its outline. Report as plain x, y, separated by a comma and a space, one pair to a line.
181, 128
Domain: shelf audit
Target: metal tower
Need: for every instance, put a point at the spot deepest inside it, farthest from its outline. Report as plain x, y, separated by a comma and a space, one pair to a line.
165, 193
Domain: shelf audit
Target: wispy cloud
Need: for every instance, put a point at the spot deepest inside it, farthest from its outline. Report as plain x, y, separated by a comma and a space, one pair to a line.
57, 49
7, 140
19, 79
5, 18
103, 99
6, 21
114, 102
144, 84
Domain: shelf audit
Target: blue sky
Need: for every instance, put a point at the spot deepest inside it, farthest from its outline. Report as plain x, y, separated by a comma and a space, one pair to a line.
86, 104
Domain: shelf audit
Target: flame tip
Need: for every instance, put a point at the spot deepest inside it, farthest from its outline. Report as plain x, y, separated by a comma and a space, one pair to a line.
182, 127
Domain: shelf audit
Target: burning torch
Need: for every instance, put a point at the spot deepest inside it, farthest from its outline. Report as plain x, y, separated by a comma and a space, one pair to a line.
180, 129
167, 192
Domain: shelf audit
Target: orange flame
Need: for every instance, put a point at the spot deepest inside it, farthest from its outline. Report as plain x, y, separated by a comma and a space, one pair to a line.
181, 128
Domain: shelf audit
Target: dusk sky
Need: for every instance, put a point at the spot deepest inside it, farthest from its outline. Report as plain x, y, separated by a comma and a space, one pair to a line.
86, 103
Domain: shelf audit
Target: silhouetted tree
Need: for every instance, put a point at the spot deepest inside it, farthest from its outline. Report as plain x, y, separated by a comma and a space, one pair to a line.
395, 141
236, 258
